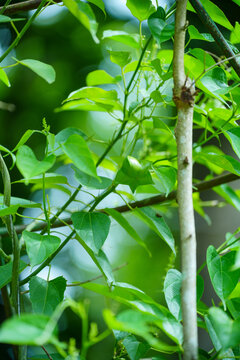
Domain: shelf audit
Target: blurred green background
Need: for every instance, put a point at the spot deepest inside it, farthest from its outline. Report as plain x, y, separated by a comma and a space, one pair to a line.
58, 39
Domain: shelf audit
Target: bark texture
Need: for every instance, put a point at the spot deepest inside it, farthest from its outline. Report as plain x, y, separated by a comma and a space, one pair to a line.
184, 99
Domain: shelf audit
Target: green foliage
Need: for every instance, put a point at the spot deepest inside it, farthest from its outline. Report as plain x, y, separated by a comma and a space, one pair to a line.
93, 228
46, 295
43, 70
39, 247
117, 153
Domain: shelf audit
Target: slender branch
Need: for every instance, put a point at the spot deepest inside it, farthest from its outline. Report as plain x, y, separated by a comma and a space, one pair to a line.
154, 200
216, 34
47, 353
184, 99
22, 32
24, 6
79, 283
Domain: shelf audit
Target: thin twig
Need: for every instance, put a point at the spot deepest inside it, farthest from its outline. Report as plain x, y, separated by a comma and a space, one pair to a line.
216, 34
79, 283
24, 6
47, 353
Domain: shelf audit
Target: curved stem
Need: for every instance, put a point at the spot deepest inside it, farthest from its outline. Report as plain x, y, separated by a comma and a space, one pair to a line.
13, 235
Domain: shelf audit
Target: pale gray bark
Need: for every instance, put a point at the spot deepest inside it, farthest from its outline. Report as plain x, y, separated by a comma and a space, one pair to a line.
184, 98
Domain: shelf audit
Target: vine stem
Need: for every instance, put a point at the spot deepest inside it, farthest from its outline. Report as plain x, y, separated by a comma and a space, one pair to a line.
184, 98
13, 235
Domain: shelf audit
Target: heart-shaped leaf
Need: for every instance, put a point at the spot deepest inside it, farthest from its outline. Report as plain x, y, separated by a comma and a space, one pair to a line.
93, 228
28, 164
39, 247
46, 295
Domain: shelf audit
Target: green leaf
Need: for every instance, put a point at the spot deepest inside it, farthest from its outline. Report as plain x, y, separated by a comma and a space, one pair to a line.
229, 195
8, 210
215, 81
28, 164
135, 349
100, 4
39, 247
136, 298
219, 267
122, 221
172, 291
99, 77
27, 329
19, 202
141, 9
46, 295
235, 34
227, 330
92, 99
4, 77
43, 70
93, 228
214, 12
105, 267
64, 134
121, 58
172, 287
157, 224
87, 105
77, 150
224, 162
233, 136
83, 12
194, 34
166, 178
157, 97
5, 19
123, 37
24, 138
233, 306
6, 272
160, 29
132, 173
139, 324
94, 94
93, 183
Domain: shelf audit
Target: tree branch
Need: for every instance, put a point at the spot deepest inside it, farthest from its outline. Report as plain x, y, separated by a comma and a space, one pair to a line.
184, 100
24, 6
216, 34
154, 200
